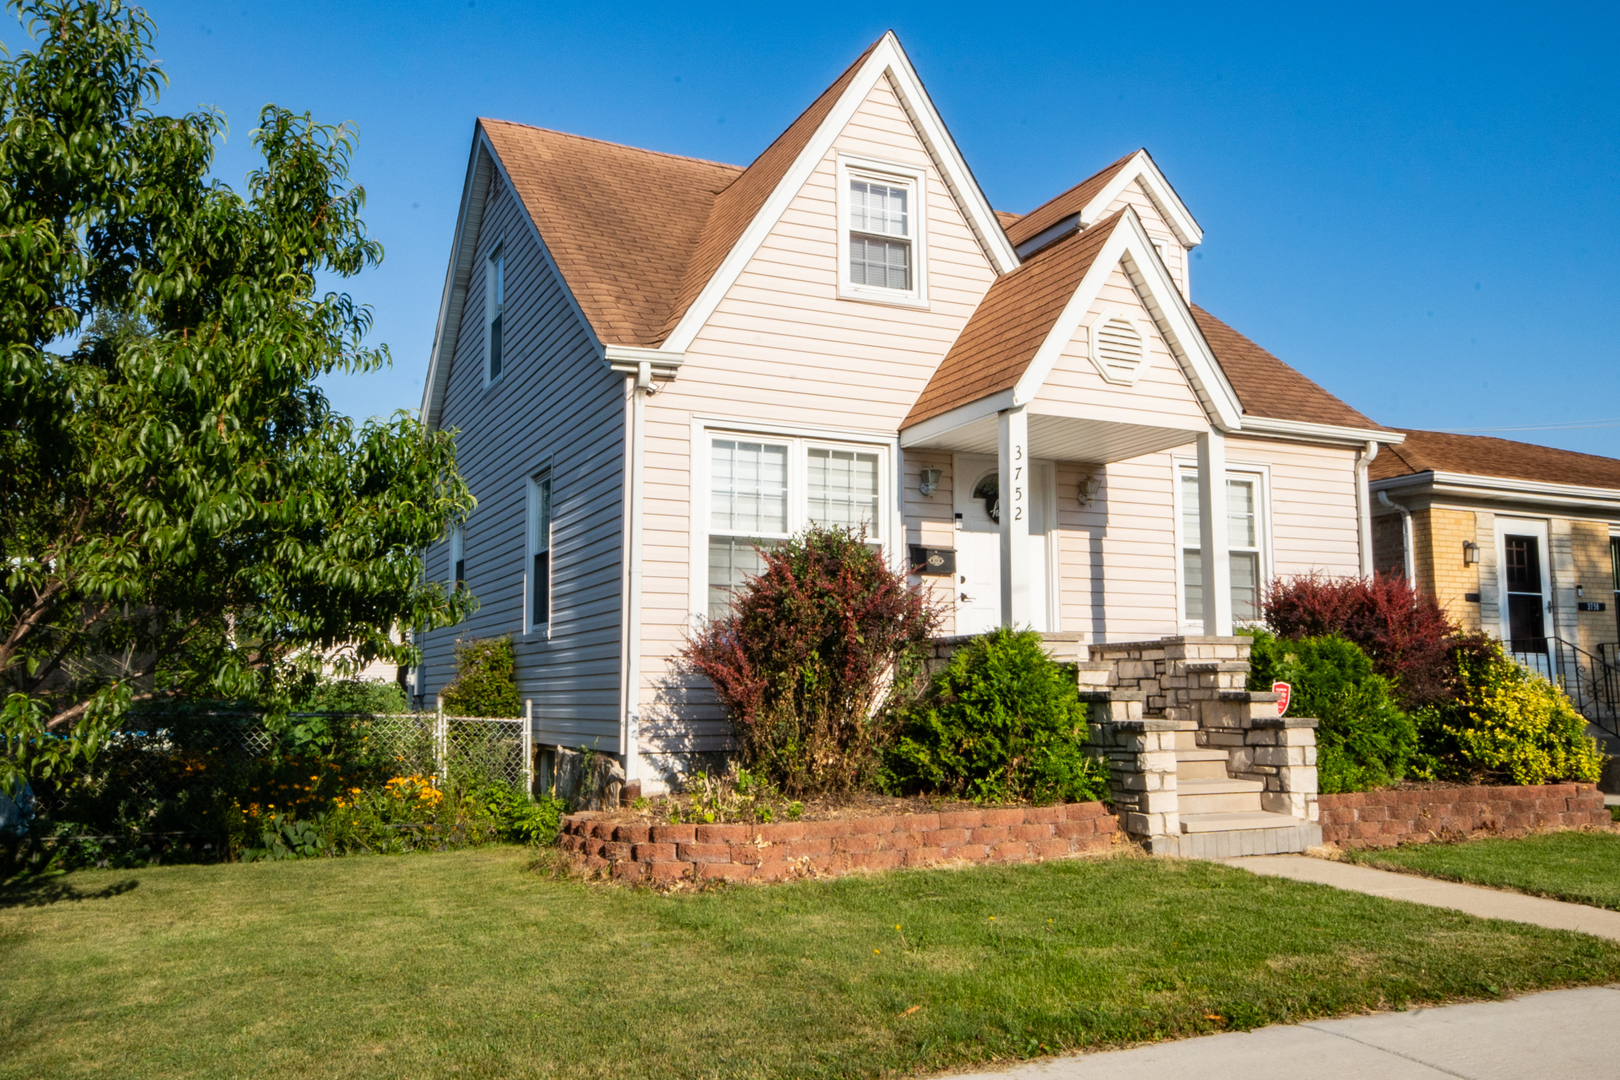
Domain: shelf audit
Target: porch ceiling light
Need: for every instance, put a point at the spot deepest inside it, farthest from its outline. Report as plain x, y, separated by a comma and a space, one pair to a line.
930, 481
1470, 553
1090, 484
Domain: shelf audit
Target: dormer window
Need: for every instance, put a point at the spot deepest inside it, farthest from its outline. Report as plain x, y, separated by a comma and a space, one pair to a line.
494, 300
882, 250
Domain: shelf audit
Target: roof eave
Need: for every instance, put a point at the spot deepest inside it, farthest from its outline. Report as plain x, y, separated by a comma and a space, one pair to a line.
1501, 489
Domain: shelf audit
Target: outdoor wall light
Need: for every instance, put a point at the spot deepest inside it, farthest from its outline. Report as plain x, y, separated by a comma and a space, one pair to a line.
930, 480
1090, 484
1470, 553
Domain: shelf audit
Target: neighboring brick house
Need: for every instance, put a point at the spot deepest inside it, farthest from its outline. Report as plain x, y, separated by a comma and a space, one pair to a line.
1518, 540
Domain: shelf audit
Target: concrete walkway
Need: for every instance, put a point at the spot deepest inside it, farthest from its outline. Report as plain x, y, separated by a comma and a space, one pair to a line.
1472, 899
1564, 1033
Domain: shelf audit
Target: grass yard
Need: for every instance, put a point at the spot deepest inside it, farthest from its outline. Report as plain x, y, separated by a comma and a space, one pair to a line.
467, 964
1578, 866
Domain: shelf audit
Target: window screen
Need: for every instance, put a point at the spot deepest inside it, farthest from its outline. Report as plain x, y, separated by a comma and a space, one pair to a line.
495, 300
844, 490
880, 228
1243, 539
540, 551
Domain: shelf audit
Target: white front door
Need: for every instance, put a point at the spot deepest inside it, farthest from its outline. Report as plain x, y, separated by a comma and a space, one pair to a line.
978, 545
1525, 590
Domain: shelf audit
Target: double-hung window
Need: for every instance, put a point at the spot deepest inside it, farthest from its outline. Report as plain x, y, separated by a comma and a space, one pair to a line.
538, 571
761, 490
882, 242
1245, 539
494, 300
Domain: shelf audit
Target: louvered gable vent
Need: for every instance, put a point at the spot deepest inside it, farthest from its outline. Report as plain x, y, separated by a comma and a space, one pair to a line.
1118, 349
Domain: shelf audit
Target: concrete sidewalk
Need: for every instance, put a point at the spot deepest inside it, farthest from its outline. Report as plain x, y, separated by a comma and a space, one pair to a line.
1563, 1033
1472, 899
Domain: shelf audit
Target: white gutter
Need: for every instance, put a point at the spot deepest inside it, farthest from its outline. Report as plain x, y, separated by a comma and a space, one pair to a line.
1309, 431
1364, 505
1406, 536
1506, 489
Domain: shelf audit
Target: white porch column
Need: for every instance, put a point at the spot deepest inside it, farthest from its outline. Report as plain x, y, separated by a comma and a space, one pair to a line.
1014, 465
1212, 534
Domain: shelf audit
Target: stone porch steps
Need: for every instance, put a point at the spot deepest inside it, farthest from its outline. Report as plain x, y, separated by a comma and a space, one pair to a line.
1204, 797
1239, 820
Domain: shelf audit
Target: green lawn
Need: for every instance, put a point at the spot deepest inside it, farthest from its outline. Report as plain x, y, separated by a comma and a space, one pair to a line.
467, 964
1578, 866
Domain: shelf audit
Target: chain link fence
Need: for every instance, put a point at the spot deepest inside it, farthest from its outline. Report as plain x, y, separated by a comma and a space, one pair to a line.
162, 779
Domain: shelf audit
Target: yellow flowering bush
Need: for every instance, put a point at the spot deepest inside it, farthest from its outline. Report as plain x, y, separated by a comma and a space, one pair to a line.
1508, 724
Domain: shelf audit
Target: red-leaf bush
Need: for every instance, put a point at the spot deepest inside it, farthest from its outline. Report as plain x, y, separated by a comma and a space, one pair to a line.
813, 656
1407, 634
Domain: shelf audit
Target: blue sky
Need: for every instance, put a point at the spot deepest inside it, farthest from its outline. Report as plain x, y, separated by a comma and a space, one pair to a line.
1414, 205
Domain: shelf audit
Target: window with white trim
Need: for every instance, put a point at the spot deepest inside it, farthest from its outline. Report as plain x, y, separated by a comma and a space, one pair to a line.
881, 247
458, 559
763, 489
537, 571
494, 301
1246, 538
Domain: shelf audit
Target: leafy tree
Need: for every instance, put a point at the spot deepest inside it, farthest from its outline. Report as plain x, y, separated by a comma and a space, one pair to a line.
485, 683
181, 511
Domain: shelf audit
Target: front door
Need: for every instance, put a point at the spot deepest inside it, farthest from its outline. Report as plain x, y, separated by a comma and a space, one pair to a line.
978, 544
1526, 590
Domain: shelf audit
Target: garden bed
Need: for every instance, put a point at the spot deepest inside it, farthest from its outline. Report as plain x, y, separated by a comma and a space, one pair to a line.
1409, 815
638, 851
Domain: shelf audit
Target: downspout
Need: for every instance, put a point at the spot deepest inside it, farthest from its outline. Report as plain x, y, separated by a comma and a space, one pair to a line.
1364, 507
1406, 536
630, 733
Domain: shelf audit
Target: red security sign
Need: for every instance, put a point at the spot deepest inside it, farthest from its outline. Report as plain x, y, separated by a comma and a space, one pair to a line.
1285, 691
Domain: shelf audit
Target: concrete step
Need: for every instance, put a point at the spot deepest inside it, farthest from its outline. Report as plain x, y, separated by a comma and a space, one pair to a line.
1201, 764
1186, 740
1291, 835
1231, 822
1218, 796
1200, 754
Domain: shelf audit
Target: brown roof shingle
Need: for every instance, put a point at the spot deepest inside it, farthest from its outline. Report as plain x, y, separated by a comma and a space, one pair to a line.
1054, 210
736, 206
620, 222
1481, 455
1268, 387
1007, 328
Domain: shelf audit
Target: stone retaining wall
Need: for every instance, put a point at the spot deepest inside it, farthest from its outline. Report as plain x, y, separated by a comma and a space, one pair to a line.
669, 853
1385, 818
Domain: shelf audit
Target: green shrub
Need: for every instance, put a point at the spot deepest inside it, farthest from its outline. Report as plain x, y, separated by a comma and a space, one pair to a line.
351, 696
1509, 725
1002, 723
484, 684
1363, 739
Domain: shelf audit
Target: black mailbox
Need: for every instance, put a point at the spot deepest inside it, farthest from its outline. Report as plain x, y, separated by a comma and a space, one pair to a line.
936, 562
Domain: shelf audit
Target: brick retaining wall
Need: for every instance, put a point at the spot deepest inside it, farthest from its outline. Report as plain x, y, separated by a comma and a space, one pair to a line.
667, 853
1385, 818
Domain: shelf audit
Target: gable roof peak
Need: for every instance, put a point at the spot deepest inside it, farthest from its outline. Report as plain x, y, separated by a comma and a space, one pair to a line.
1084, 203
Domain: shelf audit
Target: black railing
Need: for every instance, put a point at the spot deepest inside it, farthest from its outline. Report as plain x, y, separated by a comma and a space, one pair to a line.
1591, 681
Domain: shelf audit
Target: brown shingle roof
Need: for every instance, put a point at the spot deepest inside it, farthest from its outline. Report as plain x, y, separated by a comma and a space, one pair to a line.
621, 222
1007, 328
1007, 217
1072, 201
1480, 455
1268, 387
736, 206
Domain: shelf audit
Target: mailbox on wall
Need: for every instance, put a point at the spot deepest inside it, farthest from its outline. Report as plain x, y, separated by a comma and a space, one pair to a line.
935, 562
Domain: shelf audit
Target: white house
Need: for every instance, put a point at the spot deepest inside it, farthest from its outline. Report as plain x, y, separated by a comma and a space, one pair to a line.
654, 363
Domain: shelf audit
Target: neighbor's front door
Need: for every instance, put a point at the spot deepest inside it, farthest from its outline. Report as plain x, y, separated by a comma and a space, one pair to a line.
1526, 590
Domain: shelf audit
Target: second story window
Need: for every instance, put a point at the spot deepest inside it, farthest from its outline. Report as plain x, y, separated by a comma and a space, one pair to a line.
494, 299
879, 234
882, 242
458, 558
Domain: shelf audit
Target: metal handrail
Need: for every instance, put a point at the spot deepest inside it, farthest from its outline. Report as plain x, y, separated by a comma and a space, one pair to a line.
1592, 682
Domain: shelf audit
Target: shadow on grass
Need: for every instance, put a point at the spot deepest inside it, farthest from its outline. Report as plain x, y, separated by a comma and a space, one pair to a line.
43, 892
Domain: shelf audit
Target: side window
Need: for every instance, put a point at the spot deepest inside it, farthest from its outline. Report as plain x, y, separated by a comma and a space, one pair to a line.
539, 568
494, 300
1245, 538
458, 558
